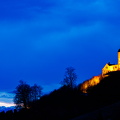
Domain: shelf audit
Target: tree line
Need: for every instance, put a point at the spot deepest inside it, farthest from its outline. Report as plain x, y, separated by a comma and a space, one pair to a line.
25, 94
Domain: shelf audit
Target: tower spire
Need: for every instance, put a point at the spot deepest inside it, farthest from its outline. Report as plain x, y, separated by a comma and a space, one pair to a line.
119, 59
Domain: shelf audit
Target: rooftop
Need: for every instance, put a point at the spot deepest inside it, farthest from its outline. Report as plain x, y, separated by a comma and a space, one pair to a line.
119, 50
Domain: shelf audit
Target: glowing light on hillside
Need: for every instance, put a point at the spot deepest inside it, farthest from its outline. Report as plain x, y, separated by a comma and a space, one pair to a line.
89, 83
6, 104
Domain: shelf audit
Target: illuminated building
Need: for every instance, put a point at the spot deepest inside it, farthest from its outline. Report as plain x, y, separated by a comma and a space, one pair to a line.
96, 79
111, 67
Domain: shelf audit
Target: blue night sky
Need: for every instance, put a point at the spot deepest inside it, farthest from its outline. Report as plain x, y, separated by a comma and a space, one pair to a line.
40, 38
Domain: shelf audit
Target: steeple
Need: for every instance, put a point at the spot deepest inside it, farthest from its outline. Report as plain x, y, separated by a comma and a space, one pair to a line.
119, 59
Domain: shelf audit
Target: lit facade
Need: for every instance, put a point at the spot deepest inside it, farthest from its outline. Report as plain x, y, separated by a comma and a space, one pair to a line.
111, 67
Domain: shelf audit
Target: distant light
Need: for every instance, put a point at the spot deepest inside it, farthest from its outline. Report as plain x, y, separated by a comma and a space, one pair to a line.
6, 104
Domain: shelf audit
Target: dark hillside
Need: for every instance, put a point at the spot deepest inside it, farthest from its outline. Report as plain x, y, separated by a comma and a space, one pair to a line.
108, 88
67, 103
62, 103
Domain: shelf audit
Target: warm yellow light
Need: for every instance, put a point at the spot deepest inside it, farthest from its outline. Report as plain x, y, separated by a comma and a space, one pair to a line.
111, 68
89, 83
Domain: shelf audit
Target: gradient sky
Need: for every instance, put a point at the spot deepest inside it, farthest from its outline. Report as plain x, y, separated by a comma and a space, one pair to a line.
40, 38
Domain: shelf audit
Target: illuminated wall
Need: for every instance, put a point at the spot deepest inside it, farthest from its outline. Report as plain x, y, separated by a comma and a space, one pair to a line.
89, 83
109, 68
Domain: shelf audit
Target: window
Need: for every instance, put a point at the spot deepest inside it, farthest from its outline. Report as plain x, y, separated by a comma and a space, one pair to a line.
115, 66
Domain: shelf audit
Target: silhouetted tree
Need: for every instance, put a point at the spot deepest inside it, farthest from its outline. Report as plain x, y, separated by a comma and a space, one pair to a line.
36, 92
22, 94
70, 77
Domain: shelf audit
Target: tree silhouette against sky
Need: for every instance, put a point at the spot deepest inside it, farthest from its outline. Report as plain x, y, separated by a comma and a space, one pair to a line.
70, 77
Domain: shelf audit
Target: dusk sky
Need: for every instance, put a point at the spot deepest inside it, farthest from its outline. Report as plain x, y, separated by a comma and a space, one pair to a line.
40, 38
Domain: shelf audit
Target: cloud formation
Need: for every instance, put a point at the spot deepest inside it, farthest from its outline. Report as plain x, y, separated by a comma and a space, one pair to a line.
6, 99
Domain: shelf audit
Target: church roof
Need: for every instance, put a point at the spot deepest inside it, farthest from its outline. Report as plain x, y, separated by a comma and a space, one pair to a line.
119, 50
110, 64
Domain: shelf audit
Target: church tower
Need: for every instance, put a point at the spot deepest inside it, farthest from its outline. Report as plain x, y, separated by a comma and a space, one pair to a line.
119, 59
